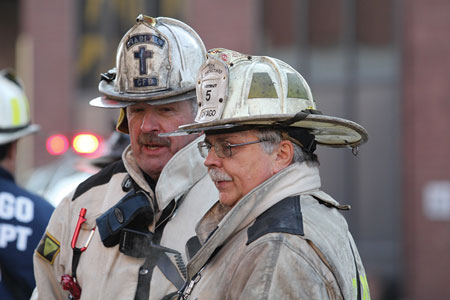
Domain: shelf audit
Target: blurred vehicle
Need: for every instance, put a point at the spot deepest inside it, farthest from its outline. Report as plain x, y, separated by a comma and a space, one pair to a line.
83, 156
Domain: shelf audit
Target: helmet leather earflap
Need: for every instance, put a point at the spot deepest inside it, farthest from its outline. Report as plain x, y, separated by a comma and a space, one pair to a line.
122, 121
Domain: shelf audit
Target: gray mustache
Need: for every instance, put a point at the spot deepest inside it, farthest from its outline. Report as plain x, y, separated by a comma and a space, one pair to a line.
153, 139
217, 175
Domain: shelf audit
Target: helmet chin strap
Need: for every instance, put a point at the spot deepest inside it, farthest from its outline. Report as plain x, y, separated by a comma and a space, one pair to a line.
300, 137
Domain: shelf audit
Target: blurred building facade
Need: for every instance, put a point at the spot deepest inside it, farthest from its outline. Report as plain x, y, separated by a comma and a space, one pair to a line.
381, 63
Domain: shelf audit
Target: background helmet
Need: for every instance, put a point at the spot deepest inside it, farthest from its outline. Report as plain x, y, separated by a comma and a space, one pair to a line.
14, 110
157, 62
237, 91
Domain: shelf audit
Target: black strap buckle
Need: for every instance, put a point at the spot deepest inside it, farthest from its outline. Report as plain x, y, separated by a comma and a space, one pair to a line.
132, 208
108, 76
140, 244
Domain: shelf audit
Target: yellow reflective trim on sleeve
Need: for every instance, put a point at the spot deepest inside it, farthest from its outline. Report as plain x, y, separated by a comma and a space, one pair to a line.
364, 287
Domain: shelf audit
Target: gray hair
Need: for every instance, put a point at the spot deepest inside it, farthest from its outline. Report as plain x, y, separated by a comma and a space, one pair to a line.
273, 138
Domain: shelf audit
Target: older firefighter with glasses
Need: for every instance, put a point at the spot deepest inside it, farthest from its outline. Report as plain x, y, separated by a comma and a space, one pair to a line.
274, 234
121, 234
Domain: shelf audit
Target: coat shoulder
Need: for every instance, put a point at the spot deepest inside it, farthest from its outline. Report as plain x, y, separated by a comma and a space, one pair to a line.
102, 177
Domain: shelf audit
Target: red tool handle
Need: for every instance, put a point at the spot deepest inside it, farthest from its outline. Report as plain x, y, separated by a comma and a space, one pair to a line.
81, 220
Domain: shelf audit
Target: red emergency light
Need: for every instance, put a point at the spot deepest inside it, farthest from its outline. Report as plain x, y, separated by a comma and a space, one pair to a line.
83, 143
57, 144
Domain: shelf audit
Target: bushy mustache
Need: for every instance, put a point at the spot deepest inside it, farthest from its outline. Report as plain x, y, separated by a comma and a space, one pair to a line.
153, 139
217, 175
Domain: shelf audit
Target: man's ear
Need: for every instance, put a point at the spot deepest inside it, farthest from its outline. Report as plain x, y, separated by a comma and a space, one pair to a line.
284, 155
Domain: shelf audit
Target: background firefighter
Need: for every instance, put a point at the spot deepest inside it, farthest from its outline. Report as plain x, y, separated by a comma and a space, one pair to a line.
23, 215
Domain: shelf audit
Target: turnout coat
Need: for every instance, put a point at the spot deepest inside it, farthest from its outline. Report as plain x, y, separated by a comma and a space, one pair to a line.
286, 239
105, 272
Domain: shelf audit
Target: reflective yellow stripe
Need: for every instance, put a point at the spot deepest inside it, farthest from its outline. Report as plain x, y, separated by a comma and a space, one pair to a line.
15, 107
364, 286
355, 285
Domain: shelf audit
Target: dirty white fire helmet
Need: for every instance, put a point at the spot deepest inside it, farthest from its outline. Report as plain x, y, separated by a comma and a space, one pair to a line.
157, 63
238, 92
14, 110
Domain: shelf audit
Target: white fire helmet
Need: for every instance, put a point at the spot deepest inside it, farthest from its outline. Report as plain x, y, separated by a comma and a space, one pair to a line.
157, 62
14, 110
238, 92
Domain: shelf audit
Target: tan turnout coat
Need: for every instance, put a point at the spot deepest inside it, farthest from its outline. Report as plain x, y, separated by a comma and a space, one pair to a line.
320, 264
106, 273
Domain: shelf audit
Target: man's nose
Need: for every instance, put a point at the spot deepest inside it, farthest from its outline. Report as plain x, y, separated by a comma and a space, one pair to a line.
212, 160
149, 122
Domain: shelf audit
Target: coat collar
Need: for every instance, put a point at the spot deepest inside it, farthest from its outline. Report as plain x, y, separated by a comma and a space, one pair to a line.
180, 173
296, 179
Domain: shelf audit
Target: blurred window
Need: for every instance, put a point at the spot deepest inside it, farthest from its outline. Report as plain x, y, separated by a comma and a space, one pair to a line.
9, 28
322, 21
101, 25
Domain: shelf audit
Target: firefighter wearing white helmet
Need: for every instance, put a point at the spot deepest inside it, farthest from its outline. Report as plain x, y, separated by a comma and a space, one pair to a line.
24, 215
276, 96
157, 62
15, 119
136, 214
276, 234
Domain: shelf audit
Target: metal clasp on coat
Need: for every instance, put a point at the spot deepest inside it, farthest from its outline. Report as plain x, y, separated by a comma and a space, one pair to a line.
81, 220
187, 292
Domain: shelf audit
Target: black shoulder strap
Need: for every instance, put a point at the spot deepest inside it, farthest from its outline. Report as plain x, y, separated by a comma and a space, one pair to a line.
162, 261
285, 216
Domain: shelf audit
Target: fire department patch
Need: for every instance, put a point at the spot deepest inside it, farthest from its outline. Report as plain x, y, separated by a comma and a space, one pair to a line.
48, 248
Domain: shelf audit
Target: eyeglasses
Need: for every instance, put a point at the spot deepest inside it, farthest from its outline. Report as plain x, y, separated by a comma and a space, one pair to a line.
222, 149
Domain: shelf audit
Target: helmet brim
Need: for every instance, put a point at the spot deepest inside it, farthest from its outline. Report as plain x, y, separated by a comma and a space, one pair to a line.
7, 137
107, 101
328, 131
